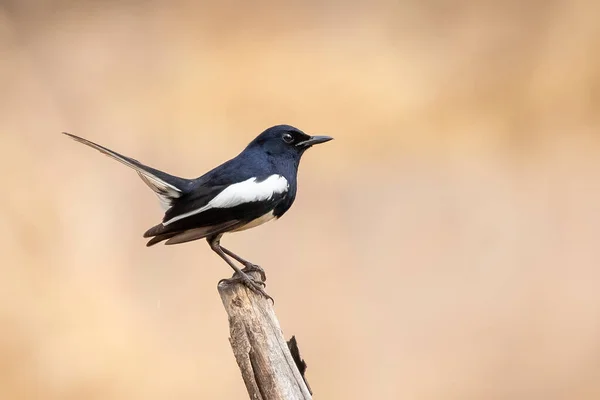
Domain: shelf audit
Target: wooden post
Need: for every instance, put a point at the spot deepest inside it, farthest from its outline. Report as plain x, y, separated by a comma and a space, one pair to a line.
268, 368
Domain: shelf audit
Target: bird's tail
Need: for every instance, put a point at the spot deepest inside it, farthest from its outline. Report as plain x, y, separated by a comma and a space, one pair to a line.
167, 187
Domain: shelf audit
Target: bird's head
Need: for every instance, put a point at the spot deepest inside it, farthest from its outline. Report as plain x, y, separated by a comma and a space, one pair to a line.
285, 140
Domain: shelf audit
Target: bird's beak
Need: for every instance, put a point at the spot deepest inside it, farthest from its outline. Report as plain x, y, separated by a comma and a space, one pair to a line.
314, 140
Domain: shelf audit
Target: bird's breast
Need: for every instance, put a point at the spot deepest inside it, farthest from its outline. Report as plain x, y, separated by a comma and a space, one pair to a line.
256, 222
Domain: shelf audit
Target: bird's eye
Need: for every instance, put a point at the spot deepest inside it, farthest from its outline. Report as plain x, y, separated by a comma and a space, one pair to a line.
287, 138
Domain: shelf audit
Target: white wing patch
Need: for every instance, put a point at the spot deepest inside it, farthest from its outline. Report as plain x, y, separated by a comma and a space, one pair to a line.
247, 191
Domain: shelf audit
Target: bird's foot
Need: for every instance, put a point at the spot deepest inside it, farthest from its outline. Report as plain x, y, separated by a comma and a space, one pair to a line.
255, 286
249, 267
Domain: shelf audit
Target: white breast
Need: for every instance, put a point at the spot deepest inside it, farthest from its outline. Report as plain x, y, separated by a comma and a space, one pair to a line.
256, 222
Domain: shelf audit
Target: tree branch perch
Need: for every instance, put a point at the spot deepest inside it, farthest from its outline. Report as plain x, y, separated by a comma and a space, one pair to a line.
262, 354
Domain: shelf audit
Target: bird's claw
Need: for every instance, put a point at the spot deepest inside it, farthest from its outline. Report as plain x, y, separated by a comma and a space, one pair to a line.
255, 268
255, 286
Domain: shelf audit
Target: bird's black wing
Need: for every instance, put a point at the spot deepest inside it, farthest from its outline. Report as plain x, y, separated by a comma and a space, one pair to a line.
208, 210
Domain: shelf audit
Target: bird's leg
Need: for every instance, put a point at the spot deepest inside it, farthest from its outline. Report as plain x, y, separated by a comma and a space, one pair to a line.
215, 245
248, 266
247, 281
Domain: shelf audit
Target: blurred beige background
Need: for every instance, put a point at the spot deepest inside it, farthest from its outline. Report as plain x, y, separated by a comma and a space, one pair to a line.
444, 246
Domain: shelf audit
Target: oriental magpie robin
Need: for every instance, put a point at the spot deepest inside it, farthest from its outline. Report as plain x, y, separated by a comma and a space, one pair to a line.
252, 188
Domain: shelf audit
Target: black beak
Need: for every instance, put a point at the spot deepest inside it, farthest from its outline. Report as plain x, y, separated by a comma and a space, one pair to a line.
314, 140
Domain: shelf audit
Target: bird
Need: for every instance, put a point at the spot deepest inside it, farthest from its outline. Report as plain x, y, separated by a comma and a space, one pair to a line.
254, 187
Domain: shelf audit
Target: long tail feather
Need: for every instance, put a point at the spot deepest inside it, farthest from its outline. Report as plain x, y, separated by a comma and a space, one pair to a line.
160, 238
166, 187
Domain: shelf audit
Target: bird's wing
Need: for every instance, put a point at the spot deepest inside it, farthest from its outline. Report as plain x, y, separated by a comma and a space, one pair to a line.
167, 187
249, 191
219, 208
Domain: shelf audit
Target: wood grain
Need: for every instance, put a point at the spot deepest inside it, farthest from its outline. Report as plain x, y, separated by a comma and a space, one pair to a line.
262, 354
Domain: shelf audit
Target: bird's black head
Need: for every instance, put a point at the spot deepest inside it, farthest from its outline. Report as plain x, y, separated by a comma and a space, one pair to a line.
285, 140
